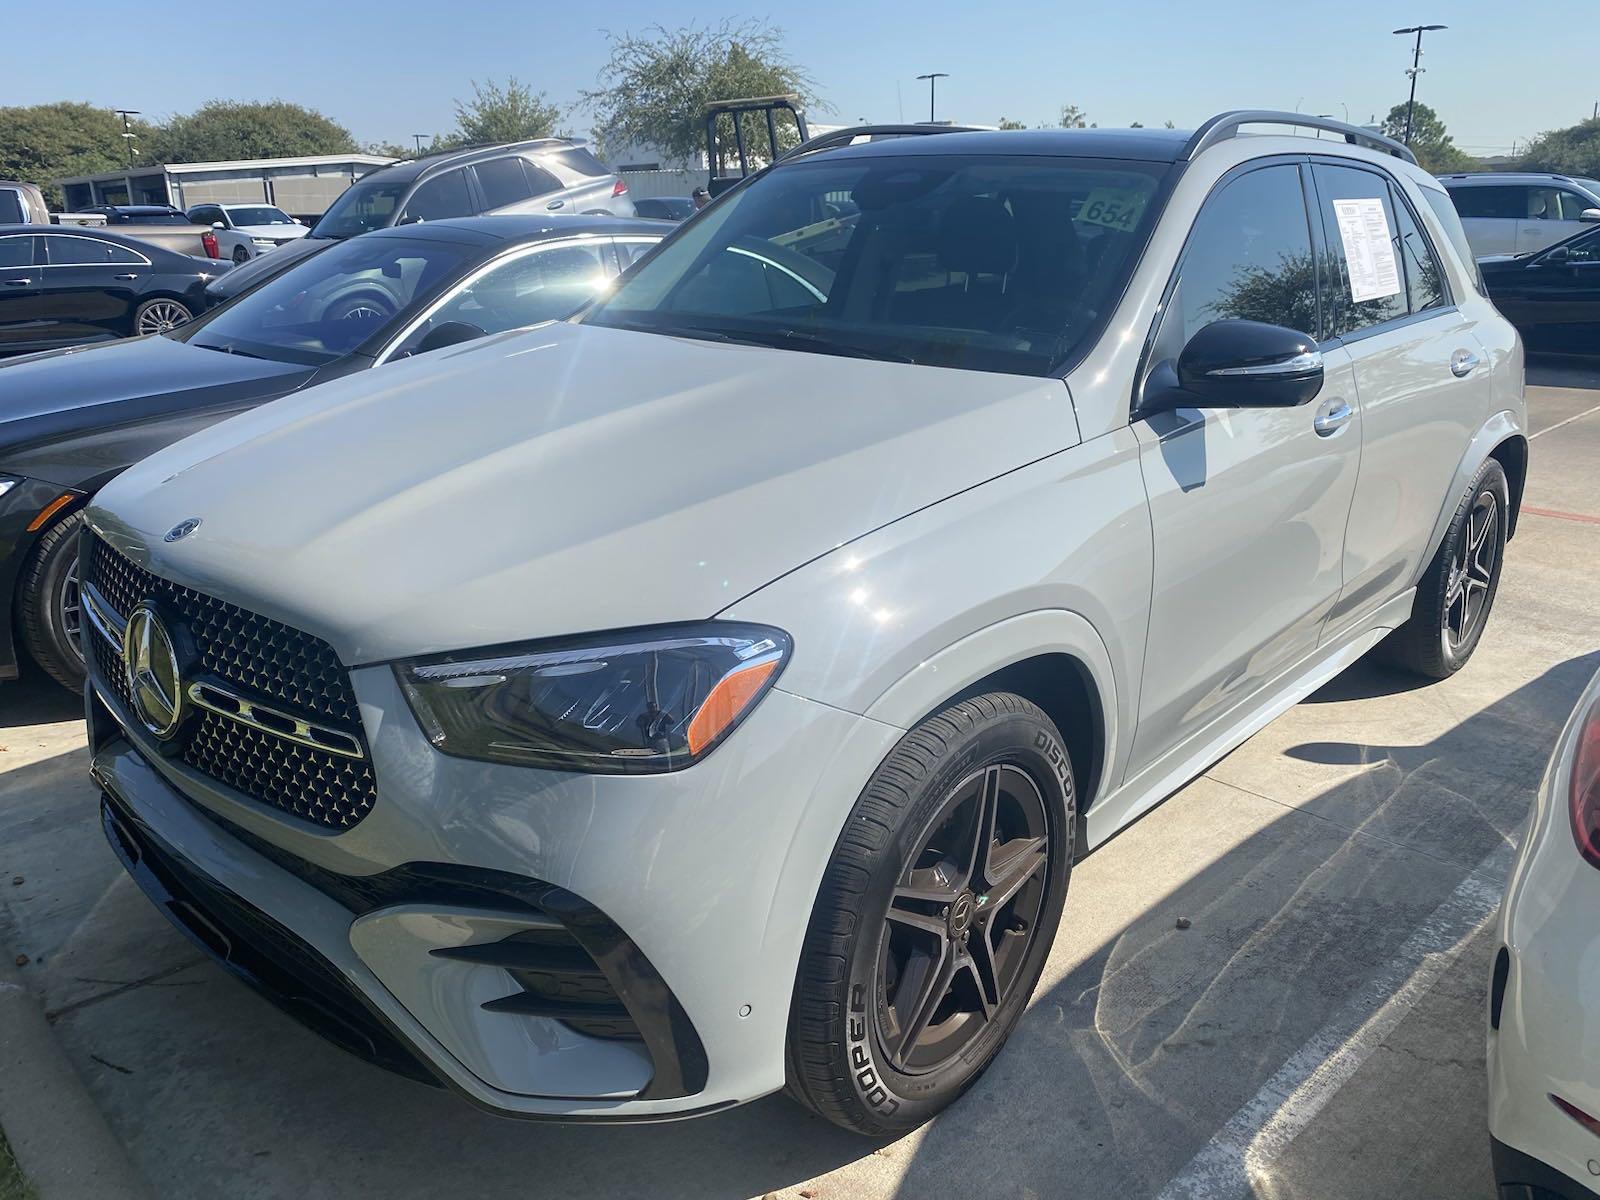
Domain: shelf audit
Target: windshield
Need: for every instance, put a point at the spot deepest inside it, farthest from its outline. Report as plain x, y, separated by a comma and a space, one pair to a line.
259, 215
362, 207
324, 307
985, 262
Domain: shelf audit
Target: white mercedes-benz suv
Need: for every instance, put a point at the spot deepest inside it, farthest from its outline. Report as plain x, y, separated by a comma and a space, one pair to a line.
631, 716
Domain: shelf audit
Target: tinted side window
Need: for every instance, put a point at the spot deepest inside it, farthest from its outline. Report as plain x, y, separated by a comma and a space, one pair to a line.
1584, 250
1248, 258
503, 182
82, 251
1368, 230
1424, 285
542, 286
580, 160
1444, 208
542, 180
1504, 202
439, 199
11, 207
16, 252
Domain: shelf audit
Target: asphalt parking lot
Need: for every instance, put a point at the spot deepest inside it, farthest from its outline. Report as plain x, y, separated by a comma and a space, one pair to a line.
1314, 1031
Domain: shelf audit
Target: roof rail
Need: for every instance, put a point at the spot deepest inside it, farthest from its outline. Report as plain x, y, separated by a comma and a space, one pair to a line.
843, 137
469, 147
1224, 126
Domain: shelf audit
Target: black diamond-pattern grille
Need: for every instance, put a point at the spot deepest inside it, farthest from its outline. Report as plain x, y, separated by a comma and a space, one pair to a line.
266, 659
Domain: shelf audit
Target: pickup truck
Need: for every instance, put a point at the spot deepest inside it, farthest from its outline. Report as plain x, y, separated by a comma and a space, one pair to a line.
160, 225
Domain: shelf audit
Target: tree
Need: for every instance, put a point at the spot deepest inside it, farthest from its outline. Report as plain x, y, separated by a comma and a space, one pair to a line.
387, 149
1073, 117
1008, 123
44, 142
508, 112
1435, 150
220, 130
655, 86
1574, 150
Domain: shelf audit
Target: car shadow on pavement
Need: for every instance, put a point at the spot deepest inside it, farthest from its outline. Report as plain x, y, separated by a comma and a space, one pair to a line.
1141, 1041
36, 699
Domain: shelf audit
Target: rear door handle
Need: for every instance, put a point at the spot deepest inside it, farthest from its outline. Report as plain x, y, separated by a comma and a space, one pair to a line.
554, 204
1462, 363
129, 275
16, 282
1332, 417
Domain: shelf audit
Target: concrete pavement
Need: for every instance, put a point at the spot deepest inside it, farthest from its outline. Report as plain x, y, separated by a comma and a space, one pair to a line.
1333, 870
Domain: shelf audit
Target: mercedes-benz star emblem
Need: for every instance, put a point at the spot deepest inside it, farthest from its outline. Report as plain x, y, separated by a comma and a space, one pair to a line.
182, 529
152, 669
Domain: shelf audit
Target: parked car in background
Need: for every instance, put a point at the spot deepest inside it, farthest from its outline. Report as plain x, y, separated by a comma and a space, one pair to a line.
71, 421
22, 204
60, 286
711, 693
1544, 1058
1518, 214
1552, 296
665, 208
244, 231
545, 175
139, 214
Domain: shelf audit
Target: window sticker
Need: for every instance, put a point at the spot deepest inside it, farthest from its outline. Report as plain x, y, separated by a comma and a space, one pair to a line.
1368, 249
1115, 208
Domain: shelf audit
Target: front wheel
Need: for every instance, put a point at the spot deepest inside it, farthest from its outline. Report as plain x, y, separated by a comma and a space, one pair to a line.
934, 917
1458, 589
240, 256
49, 608
160, 315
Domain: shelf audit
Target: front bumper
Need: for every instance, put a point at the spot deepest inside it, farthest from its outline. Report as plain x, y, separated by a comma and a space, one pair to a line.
690, 894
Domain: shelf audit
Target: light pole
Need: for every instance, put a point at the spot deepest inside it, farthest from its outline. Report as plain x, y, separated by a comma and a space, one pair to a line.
419, 137
127, 129
933, 77
1416, 69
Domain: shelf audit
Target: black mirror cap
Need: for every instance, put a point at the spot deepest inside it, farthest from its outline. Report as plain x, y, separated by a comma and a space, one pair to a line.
1239, 364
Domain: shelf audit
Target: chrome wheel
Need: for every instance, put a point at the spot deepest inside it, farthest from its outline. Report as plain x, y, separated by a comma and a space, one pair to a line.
161, 315
363, 312
1472, 569
961, 919
70, 609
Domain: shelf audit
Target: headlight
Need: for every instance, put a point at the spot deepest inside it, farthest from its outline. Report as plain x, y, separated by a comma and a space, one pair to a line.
264, 241
647, 700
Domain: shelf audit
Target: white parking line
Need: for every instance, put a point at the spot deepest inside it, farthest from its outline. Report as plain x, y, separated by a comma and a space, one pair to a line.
1242, 1151
1575, 417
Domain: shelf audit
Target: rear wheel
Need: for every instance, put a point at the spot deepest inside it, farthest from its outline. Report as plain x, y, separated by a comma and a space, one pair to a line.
160, 315
49, 607
1458, 589
934, 917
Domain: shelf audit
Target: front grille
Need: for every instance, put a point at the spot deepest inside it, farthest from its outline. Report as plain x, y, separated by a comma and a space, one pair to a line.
268, 661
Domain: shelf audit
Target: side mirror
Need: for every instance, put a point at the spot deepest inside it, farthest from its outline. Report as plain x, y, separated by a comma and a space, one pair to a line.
1589, 214
218, 225
1238, 364
451, 333
1557, 256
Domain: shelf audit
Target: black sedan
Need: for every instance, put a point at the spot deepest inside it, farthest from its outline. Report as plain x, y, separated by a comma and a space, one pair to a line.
73, 419
1552, 296
60, 285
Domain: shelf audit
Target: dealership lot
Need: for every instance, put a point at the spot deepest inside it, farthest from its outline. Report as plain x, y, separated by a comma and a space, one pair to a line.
1315, 1030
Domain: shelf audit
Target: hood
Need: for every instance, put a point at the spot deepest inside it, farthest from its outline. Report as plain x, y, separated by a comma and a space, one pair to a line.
278, 233
563, 479
61, 393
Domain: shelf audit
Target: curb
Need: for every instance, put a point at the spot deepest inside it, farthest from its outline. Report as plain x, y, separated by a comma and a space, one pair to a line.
57, 1133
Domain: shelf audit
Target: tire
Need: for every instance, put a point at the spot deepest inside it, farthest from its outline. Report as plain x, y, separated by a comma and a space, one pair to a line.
159, 315
1458, 588
240, 256
850, 1058
46, 601
361, 307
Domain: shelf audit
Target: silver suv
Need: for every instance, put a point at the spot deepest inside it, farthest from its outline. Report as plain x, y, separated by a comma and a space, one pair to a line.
1521, 214
544, 175
638, 714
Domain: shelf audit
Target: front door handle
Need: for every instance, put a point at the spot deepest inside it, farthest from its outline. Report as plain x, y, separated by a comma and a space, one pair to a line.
16, 282
555, 204
1462, 363
1332, 417
129, 275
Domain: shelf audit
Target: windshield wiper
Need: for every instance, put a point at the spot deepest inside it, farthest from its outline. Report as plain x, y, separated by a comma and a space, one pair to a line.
230, 350
771, 339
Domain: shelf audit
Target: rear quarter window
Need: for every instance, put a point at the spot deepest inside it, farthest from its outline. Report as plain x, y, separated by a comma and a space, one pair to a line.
1445, 210
11, 208
575, 158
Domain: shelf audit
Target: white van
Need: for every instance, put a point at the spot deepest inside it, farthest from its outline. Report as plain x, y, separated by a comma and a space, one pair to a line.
1519, 214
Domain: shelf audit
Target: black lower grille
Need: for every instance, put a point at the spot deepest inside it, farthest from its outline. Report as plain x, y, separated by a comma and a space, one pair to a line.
265, 661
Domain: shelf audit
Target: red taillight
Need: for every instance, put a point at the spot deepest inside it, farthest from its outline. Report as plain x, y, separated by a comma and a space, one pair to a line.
1577, 1114
209, 241
619, 188
1585, 787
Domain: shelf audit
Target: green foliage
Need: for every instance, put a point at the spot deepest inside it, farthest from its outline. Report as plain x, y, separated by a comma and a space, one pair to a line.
1571, 151
1008, 123
388, 149
1073, 117
508, 112
1433, 146
655, 86
56, 141
220, 130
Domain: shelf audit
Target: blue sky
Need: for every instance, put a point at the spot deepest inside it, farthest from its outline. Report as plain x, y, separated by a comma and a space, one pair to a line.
388, 70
